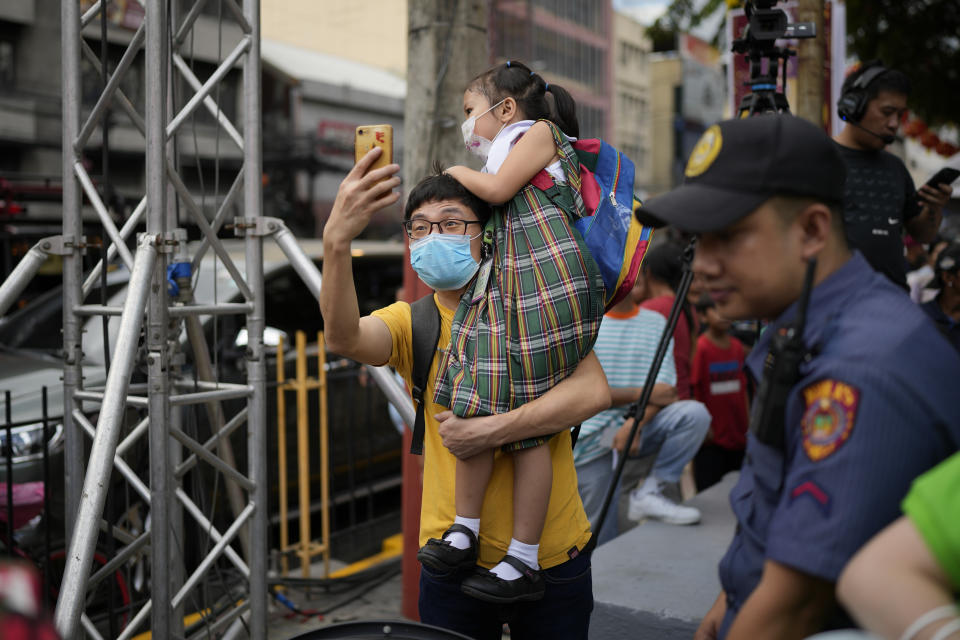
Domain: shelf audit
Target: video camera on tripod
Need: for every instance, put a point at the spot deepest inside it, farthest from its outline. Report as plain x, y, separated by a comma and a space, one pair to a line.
766, 25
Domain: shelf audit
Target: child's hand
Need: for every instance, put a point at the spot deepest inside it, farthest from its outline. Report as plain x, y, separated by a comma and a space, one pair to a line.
456, 172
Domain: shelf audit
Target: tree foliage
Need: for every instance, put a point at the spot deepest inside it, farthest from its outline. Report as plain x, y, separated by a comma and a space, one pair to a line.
681, 16
920, 38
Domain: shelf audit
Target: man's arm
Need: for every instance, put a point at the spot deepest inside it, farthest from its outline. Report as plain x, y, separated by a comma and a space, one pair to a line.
709, 628
661, 395
786, 604
924, 227
893, 581
360, 196
577, 397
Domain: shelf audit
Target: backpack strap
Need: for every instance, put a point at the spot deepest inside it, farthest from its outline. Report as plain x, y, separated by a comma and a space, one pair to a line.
574, 434
425, 335
566, 196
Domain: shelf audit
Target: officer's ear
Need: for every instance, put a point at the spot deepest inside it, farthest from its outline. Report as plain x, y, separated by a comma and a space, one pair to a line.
816, 225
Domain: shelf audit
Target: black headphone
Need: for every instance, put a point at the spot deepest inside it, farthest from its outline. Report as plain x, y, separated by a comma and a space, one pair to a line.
853, 101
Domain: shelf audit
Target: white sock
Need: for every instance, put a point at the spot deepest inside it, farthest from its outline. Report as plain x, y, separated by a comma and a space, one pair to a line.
462, 540
526, 553
650, 485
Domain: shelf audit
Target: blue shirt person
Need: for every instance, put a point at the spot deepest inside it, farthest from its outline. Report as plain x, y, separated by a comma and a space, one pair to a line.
871, 406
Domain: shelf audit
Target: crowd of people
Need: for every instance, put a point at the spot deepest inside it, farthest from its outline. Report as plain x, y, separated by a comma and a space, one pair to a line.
831, 415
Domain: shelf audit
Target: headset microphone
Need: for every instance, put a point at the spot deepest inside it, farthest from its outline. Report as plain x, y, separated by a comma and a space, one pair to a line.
885, 138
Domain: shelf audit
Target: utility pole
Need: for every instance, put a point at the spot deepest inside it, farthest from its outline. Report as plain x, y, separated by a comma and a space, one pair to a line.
446, 48
810, 65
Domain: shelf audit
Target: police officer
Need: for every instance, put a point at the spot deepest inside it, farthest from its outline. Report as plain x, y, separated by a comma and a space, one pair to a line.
856, 388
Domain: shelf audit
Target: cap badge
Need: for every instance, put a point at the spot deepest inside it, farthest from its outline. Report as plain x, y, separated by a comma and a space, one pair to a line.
705, 152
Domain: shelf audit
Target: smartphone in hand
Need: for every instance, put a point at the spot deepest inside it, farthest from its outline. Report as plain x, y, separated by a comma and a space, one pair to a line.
369, 136
945, 176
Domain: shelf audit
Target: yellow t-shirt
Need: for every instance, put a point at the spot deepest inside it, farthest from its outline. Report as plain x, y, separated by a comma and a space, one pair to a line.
567, 528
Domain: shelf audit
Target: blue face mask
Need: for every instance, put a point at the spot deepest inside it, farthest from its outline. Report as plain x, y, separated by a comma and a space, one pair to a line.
443, 261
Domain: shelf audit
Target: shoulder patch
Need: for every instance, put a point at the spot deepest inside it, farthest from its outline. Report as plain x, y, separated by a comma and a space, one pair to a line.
828, 417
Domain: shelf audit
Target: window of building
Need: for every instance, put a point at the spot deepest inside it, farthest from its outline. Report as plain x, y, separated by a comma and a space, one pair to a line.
592, 121
91, 80
632, 56
7, 65
587, 13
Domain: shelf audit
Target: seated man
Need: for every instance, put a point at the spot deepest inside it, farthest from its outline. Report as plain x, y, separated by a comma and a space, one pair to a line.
672, 429
384, 337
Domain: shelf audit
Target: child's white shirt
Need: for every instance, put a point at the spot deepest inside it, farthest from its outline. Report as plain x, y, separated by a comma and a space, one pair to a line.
503, 143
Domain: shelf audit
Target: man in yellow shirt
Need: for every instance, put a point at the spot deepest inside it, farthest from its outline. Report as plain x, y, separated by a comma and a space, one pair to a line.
384, 337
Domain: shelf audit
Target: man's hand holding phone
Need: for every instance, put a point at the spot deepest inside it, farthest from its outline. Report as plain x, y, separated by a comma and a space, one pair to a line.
936, 191
362, 193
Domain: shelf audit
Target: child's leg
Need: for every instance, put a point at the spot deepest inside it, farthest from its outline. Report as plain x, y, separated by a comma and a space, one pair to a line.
532, 482
473, 474
472, 477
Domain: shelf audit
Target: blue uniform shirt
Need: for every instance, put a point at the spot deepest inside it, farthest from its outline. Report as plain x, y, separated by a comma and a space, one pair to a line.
949, 327
874, 408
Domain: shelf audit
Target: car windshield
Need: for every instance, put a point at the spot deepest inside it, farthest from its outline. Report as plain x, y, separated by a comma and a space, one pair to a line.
39, 325
289, 304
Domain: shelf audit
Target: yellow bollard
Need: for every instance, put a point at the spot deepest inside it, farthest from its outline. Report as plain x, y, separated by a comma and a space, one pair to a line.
305, 548
282, 459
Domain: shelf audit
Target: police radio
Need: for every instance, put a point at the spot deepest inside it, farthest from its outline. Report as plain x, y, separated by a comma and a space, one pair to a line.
781, 372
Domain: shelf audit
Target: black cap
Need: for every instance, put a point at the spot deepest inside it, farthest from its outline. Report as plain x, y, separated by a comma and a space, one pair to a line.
947, 261
739, 164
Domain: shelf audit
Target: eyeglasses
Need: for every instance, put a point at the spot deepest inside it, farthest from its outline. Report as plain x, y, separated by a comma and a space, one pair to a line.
420, 228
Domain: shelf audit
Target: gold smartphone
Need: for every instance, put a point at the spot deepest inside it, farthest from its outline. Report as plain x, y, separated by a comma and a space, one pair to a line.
369, 136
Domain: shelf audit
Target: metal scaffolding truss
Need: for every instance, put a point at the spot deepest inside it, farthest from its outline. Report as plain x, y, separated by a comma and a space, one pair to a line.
154, 327
151, 325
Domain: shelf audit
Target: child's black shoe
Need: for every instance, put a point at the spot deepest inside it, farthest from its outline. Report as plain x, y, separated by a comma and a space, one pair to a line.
442, 556
487, 586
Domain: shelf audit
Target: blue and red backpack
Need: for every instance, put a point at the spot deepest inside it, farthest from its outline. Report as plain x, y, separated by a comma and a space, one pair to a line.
615, 237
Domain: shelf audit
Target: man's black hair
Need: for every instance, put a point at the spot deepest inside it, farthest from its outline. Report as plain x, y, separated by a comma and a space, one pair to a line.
442, 186
663, 262
891, 80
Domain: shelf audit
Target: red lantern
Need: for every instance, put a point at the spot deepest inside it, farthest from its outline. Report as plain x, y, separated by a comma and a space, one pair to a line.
946, 149
929, 139
914, 128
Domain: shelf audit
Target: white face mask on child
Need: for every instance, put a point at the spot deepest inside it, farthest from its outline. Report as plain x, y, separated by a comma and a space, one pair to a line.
478, 145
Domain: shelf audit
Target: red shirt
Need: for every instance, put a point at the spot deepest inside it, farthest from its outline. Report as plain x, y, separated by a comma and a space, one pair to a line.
720, 383
681, 342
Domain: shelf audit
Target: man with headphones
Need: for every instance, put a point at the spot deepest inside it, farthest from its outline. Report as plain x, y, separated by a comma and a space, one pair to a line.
880, 201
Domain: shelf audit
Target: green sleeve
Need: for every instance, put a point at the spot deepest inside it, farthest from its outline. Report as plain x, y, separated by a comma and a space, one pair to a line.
933, 505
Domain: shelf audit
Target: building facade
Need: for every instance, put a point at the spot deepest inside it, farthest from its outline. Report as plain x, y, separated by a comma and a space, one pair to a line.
632, 132
666, 82
566, 41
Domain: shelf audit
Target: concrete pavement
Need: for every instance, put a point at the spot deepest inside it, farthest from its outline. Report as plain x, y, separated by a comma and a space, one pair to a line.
657, 580
653, 582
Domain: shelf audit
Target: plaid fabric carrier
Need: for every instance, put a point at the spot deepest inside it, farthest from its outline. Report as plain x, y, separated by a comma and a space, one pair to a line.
535, 307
